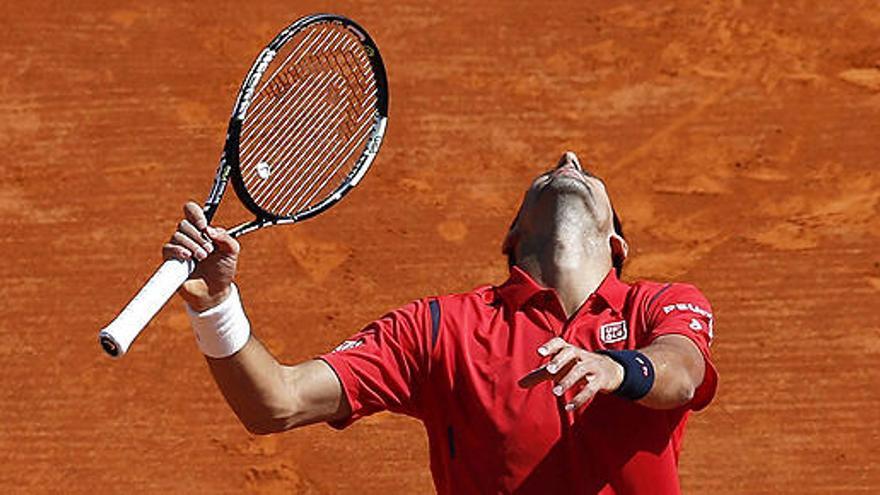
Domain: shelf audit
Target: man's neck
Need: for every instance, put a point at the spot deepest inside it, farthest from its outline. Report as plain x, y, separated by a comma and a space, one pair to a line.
573, 268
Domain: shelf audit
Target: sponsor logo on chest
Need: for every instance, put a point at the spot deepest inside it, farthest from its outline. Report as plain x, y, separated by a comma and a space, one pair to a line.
613, 332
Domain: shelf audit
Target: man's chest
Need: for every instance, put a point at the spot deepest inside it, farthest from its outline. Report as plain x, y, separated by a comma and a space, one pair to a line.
481, 369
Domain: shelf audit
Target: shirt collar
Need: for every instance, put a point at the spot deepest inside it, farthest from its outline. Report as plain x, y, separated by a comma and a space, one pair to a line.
520, 287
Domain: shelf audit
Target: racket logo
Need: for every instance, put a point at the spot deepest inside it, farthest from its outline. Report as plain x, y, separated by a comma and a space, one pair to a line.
308, 66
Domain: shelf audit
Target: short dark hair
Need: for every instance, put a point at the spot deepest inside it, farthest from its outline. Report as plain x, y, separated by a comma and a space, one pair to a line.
616, 261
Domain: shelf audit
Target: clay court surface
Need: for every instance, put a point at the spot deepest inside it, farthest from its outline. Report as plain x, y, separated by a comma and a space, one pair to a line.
740, 142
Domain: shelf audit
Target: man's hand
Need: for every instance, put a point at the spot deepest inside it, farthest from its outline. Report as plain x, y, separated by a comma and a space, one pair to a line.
570, 366
215, 251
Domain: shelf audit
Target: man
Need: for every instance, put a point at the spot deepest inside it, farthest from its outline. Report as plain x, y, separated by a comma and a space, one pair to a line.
561, 380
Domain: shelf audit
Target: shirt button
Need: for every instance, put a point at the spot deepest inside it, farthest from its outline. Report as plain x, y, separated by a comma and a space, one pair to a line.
489, 296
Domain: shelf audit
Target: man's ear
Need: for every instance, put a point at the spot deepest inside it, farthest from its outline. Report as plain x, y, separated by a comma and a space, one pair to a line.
619, 247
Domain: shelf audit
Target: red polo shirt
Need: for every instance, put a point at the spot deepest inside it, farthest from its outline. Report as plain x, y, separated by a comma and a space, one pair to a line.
454, 362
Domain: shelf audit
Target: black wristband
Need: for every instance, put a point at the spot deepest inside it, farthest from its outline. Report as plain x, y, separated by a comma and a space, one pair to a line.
638, 373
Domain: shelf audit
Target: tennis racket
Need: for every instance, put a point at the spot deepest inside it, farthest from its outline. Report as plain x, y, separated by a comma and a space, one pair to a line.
306, 126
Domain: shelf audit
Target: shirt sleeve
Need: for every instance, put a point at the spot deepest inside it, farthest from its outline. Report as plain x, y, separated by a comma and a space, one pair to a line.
683, 310
382, 366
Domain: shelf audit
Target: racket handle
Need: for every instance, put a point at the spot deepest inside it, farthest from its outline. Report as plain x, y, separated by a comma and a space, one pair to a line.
116, 337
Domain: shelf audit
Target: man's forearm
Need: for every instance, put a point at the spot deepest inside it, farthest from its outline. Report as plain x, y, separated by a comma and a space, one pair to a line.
269, 397
254, 385
678, 371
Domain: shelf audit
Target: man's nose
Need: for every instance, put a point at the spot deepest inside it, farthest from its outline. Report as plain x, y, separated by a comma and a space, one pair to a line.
569, 158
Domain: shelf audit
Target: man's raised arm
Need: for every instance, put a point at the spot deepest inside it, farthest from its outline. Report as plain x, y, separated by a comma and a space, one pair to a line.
266, 396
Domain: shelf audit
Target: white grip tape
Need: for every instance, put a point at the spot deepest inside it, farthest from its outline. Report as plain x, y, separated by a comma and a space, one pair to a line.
143, 307
223, 330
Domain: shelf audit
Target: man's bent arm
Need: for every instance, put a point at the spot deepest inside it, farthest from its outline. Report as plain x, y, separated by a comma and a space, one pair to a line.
269, 397
678, 371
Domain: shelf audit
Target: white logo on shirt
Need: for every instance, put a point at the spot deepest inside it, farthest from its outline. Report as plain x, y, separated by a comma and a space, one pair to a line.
693, 308
349, 344
613, 332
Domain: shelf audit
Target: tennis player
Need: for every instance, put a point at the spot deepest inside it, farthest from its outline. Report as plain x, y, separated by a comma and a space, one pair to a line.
563, 379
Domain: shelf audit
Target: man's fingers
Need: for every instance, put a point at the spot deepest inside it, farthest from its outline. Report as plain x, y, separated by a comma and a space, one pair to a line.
204, 238
582, 397
198, 237
224, 242
568, 366
534, 377
184, 241
552, 346
575, 374
561, 359
173, 251
194, 213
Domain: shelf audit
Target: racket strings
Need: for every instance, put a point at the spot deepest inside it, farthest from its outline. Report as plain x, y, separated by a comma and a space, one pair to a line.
307, 120
298, 170
305, 117
311, 188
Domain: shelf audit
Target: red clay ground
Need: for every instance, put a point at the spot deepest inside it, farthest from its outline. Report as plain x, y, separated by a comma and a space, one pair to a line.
740, 141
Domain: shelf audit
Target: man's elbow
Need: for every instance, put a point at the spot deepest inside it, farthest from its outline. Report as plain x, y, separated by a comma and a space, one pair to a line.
671, 395
684, 394
269, 420
261, 427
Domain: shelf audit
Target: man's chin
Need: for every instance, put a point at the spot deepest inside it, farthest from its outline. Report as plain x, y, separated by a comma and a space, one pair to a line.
566, 184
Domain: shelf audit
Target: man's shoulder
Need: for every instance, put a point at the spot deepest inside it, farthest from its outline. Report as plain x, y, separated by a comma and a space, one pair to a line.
466, 310
480, 298
650, 291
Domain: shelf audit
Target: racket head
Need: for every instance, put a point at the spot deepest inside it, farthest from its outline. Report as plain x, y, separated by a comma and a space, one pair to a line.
308, 122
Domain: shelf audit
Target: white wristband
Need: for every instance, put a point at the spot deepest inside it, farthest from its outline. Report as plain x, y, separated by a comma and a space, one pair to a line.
223, 330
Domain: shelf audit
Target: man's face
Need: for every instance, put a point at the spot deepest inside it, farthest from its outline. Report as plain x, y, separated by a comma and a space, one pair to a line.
567, 186
569, 201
